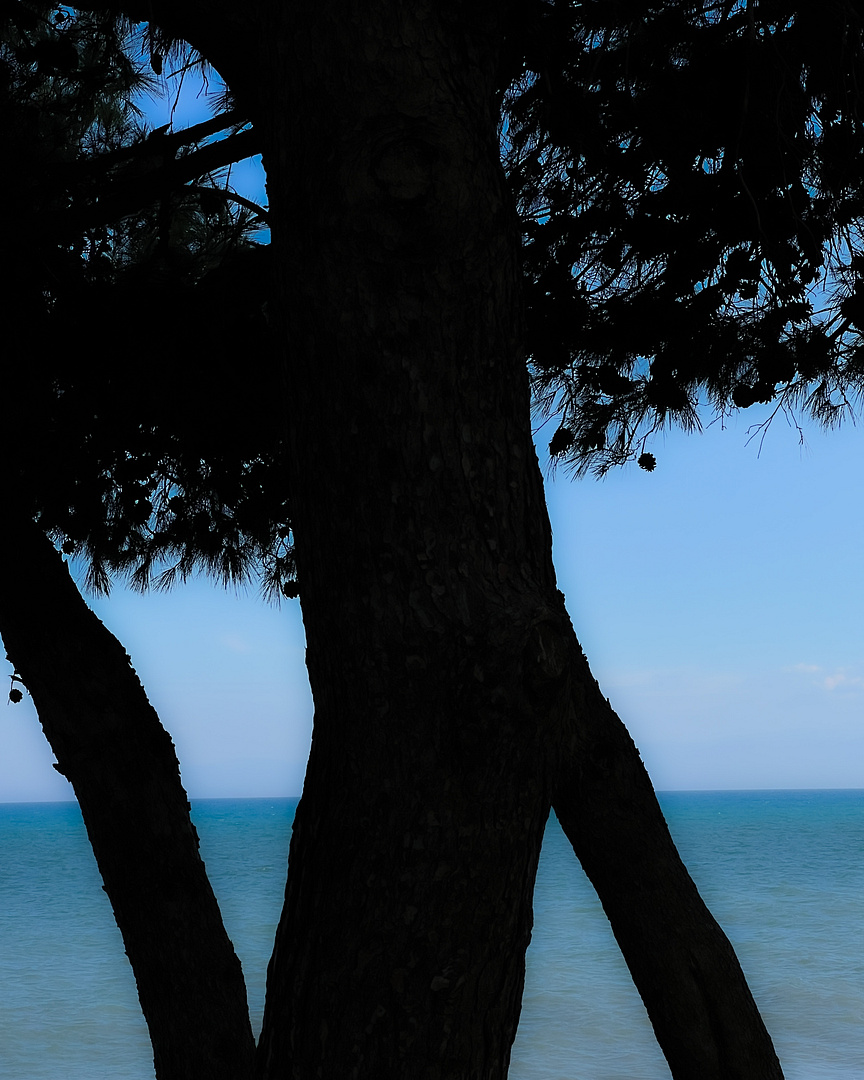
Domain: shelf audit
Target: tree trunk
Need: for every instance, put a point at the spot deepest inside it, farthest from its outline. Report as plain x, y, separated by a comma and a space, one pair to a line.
436, 635
400, 952
121, 762
452, 700
684, 967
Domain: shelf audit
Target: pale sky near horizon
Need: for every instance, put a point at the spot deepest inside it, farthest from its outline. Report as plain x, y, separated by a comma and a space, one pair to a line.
718, 599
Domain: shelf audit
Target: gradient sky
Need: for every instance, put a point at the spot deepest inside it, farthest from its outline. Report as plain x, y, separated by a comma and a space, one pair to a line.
718, 599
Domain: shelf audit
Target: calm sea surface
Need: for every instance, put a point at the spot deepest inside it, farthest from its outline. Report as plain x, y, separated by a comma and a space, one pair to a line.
783, 871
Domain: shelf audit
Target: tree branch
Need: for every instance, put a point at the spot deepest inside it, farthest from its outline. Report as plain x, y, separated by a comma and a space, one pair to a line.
219, 29
160, 143
232, 196
682, 963
121, 762
139, 187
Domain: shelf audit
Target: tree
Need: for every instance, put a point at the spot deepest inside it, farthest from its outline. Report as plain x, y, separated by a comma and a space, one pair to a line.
85, 160
716, 249
453, 704
103, 218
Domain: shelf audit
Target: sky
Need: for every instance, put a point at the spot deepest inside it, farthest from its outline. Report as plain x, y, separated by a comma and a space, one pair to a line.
718, 599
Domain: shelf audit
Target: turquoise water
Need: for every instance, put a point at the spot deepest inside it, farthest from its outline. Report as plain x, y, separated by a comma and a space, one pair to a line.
782, 871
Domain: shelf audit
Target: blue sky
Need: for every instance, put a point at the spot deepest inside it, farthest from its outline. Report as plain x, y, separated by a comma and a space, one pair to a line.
719, 600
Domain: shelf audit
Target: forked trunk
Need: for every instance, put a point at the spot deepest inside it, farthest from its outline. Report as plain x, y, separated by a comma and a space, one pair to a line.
121, 763
452, 700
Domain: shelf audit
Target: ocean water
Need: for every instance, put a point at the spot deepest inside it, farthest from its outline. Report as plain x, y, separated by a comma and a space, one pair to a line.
782, 871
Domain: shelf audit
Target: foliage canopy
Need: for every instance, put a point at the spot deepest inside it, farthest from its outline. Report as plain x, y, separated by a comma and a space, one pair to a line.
689, 178
136, 287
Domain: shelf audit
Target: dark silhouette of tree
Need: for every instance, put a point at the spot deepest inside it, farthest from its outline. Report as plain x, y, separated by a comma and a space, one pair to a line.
679, 175
99, 450
112, 227
690, 179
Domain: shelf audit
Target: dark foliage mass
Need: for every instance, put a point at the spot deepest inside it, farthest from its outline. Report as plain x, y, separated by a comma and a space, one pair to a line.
691, 182
140, 425
690, 179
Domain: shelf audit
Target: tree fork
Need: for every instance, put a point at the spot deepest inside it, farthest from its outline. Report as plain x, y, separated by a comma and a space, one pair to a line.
403, 323
110, 745
391, 227
424, 559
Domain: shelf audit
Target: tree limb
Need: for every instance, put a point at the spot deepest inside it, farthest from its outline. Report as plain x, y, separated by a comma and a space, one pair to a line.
159, 143
154, 179
685, 969
121, 762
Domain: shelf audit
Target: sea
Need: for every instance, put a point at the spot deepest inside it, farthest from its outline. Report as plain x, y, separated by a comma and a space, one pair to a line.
783, 872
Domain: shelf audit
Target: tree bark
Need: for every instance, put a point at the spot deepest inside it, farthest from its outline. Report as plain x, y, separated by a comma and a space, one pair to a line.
400, 952
452, 699
121, 763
